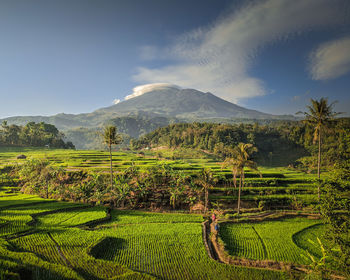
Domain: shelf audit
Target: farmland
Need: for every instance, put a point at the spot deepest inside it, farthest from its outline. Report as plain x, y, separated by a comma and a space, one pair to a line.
51, 239
283, 240
132, 245
277, 187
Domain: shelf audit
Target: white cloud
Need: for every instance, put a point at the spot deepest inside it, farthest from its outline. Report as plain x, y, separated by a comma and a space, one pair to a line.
116, 101
331, 59
218, 58
139, 90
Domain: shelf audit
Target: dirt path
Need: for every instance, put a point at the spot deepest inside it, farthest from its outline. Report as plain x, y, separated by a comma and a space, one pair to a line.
207, 243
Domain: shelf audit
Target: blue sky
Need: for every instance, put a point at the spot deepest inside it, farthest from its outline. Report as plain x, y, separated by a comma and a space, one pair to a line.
77, 56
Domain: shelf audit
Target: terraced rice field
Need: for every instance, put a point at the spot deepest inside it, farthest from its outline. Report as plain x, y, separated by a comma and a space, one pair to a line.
42, 239
284, 240
48, 239
276, 184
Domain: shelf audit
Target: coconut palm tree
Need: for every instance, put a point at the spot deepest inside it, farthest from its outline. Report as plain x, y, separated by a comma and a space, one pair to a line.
111, 137
319, 116
207, 180
240, 159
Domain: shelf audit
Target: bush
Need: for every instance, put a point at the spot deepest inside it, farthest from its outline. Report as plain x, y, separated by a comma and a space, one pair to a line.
262, 205
296, 204
335, 208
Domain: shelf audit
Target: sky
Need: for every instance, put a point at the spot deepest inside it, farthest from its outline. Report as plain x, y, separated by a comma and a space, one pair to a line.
63, 56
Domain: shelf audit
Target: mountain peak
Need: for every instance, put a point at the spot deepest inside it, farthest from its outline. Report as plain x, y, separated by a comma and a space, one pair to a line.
173, 101
140, 90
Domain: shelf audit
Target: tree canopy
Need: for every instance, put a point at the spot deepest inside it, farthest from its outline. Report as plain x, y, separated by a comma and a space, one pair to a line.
32, 134
280, 143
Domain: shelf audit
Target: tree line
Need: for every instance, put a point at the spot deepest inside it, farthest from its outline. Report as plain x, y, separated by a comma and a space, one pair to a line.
278, 144
33, 135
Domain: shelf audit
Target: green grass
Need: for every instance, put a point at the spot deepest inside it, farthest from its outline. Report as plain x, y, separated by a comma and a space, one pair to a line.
284, 240
74, 244
137, 217
303, 237
35, 246
99, 160
71, 218
133, 245
165, 249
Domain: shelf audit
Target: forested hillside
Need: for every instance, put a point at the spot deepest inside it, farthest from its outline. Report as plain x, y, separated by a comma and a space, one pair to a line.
32, 134
278, 143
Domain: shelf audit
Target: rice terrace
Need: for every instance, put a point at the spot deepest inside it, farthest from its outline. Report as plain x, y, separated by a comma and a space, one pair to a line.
61, 237
175, 140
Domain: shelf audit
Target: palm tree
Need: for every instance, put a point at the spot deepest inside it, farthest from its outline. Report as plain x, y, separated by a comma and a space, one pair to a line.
237, 162
111, 137
319, 115
207, 180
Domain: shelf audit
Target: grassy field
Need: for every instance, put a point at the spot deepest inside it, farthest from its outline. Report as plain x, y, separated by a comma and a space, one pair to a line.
167, 250
42, 238
284, 240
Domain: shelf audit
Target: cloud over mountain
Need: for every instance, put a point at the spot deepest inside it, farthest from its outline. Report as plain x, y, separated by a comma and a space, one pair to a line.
219, 58
139, 90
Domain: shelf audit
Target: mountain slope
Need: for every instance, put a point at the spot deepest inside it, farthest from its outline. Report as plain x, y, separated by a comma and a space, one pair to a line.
185, 103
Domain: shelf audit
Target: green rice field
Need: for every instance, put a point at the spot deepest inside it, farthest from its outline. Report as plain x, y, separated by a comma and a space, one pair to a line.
283, 240
48, 239
132, 245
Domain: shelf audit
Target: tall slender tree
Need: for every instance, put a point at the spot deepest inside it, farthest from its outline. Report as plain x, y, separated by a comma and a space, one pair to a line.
111, 137
319, 116
240, 159
4, 132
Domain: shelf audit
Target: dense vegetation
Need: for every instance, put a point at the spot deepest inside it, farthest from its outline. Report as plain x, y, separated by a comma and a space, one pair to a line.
280, 143
83, 130
335, 208
32, 135
151, 188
